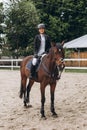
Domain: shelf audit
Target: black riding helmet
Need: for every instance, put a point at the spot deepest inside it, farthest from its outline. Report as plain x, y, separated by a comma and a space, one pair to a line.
41, 25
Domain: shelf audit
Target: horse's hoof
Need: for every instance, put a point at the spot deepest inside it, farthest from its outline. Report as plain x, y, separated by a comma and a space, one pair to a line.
20, 95
55, 115
43, 117
25, 105
29, 106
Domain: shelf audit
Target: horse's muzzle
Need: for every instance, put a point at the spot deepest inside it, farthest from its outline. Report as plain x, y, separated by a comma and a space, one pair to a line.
61, 64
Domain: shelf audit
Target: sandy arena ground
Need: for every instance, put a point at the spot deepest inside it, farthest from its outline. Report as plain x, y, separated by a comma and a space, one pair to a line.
70, 104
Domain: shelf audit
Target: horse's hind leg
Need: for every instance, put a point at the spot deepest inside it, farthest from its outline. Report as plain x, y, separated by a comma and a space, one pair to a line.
30, 83
23, 88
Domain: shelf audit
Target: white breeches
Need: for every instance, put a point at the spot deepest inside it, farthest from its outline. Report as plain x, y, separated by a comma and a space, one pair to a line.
34, 61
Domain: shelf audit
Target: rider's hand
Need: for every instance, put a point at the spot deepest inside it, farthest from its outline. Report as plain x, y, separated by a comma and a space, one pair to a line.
35, 55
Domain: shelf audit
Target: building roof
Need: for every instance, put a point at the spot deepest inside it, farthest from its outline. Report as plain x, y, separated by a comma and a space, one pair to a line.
80, 42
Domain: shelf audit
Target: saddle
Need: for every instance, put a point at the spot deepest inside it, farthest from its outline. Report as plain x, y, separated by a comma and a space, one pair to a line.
35, 68
54, 75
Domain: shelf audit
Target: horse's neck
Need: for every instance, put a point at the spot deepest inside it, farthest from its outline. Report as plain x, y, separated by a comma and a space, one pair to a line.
49, 62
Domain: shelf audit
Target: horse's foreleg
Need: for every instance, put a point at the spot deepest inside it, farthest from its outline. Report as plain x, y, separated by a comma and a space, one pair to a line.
52, 91
42, 88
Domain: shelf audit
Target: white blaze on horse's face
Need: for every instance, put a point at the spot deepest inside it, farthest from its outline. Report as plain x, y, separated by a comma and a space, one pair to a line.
60, 56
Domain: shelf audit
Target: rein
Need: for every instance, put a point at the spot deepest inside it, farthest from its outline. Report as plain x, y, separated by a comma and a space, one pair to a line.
48, 73
46, 70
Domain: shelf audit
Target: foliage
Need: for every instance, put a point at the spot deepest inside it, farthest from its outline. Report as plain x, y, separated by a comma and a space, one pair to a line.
21, 21
64, 19
68, 52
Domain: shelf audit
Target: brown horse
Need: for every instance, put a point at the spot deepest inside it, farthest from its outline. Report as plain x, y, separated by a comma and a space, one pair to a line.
46, 70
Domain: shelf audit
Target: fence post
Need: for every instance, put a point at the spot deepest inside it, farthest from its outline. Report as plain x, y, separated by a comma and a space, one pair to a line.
11, 64
16, 62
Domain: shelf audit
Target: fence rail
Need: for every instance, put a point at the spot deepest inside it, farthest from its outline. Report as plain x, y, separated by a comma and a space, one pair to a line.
79, 60
14, 63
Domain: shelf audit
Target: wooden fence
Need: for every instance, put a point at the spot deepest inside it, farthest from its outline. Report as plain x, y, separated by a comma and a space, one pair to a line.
78, 63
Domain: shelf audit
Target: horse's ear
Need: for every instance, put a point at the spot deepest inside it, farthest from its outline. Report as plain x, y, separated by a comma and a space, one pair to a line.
53, 44
62, 43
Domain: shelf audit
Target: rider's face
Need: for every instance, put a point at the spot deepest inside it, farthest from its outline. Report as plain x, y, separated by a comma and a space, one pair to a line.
41, 30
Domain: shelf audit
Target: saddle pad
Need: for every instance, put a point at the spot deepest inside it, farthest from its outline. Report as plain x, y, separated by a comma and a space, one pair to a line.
28, 65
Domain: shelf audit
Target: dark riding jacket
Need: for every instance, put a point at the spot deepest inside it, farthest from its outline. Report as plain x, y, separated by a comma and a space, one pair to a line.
37, 42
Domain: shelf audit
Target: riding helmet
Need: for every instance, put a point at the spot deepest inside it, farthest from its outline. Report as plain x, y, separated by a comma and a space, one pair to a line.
41, 25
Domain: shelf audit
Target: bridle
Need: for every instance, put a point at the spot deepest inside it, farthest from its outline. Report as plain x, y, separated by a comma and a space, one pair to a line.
59, 67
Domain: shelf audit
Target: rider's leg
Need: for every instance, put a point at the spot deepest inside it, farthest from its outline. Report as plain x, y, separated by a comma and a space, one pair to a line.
33, 66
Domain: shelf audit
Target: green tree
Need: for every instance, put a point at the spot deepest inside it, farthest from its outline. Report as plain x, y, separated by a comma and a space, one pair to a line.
65, 19
75, 15
22, 18
51, 15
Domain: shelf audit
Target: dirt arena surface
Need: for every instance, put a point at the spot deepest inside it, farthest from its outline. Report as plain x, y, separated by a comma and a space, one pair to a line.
70, 104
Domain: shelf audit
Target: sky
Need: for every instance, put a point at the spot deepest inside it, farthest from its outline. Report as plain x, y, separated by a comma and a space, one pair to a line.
5, 2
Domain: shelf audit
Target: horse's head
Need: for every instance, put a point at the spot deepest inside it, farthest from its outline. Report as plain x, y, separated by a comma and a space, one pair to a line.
58, 54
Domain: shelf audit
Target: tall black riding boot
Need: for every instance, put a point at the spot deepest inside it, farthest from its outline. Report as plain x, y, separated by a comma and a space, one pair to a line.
32, 71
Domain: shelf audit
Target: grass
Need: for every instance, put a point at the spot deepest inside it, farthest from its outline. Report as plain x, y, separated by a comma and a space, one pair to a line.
9, 68
76, 70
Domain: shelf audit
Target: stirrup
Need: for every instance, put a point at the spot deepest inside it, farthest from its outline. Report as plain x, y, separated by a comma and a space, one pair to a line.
30, 77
